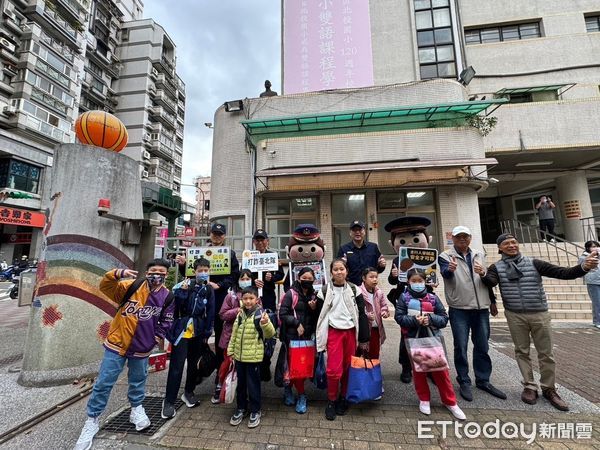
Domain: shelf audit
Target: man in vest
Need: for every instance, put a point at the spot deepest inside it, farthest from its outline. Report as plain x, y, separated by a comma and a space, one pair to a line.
526, 311
469, 308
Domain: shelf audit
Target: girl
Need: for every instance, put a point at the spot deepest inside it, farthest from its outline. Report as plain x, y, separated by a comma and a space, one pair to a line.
192, 326
342, 322
228, 313
298, 313
416, 309
247, 349
376, 308
592, 280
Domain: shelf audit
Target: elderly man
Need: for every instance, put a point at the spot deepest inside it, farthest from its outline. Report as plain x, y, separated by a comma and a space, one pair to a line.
526, 311
469, 311
360, 254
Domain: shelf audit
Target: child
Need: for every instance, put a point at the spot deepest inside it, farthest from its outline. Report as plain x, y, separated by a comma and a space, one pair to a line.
376, 308
229, 312
247, 349
298, 322
415, 310
193, 325
342, 322
143, 318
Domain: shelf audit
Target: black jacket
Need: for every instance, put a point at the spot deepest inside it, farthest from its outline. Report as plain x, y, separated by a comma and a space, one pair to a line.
303, 314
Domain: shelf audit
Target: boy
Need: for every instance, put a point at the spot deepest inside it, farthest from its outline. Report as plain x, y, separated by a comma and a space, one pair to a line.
142, 320
192, 326
247, 349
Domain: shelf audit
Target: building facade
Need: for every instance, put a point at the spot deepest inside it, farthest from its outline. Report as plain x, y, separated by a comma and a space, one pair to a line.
58, 59
537, 60
202, 213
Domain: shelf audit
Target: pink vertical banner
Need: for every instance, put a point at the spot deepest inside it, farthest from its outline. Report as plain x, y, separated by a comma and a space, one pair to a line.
326, 45
164, 234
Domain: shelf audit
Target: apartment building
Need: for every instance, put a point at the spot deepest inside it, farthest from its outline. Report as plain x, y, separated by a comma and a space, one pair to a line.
382, 130
59, 58
202, 212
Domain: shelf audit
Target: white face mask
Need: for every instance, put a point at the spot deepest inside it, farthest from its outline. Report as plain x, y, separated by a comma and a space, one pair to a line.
417, 287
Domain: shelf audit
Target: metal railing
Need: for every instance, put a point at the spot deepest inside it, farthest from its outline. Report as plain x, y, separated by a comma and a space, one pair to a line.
547, 244
591, 228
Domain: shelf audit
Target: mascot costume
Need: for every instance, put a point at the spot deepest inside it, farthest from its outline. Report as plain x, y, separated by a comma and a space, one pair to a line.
306, 248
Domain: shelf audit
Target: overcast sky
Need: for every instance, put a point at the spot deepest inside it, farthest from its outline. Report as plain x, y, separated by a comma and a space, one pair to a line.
225, 51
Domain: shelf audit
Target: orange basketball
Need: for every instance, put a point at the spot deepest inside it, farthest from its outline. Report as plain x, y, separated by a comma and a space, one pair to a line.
101, 129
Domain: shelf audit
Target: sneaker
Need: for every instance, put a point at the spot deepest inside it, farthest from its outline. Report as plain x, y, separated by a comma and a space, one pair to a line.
457, 412
552, 396
341, 406
425, 408
288, 396
139, 418
216, 398
168, 410
597, 326
254, 420
237, 417
301, 404
330, 410
190, 399
90, 428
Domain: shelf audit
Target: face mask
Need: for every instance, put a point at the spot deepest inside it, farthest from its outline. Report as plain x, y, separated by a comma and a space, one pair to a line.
306, 284
245, 283
202, 277
418, 287
155, 279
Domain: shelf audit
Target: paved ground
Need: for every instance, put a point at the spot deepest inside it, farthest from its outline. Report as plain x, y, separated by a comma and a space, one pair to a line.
390, 423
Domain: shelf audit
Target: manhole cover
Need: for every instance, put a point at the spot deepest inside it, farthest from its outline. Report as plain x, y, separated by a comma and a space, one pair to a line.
153, 406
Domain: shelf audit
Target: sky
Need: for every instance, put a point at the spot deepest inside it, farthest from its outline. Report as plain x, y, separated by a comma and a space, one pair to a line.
225, 51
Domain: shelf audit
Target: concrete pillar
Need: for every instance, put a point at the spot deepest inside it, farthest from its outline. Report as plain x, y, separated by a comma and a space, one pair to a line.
459, 205
574, 203
70, 316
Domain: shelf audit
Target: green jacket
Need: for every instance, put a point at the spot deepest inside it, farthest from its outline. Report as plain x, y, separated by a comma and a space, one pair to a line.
245, 345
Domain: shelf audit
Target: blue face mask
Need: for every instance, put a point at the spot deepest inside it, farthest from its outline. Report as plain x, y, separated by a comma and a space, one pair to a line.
417, 287
245, 283
202, 277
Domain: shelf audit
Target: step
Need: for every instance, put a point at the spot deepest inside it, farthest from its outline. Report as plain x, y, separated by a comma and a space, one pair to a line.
562, 314
576, 305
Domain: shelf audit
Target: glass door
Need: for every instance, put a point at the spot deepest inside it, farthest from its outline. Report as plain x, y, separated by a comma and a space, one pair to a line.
344, 209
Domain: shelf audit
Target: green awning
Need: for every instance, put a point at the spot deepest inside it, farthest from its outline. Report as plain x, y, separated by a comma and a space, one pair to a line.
398, 118
527, 90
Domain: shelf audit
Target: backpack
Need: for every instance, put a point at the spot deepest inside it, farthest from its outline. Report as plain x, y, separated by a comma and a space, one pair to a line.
134, 287
352, 286
257, 316
294, 303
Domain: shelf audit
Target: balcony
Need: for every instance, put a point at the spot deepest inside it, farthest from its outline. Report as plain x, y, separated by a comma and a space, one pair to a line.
154, 127
181, 106
163, 81
180, 85
61, 25
61, 49
163, 116
49, 100
160, 149
45, 68
73, 8
42, 128
179, 131
12, 25
162, 98
160, 197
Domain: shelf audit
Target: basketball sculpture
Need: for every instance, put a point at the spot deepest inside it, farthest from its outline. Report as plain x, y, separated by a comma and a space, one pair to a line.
101, 129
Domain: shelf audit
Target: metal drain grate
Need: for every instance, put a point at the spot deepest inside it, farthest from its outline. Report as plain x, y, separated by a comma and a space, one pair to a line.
153, 406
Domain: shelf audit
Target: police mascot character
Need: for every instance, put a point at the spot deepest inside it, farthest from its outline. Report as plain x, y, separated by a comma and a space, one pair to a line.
305, 245
408, 231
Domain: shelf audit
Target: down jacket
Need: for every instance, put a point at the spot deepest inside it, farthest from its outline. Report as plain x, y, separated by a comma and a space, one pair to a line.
378, 306
228, 313
245, 344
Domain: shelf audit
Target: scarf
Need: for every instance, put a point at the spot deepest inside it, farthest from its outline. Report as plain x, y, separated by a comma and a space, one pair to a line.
512, 271
415, 294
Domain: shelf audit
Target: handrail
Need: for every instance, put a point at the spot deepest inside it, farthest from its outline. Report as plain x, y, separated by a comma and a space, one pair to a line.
590, 230
547, 243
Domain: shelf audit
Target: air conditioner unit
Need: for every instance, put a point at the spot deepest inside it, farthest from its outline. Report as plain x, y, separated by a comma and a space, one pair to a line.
145, 174
146, 154
10, 14
7, 44
9, 110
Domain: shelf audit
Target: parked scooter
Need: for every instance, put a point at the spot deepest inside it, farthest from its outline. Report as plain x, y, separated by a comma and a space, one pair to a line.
8, 274
14, 291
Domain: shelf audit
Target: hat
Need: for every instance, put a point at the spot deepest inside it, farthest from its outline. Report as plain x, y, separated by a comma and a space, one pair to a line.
461, 230
357, 223
218, 228
306, 232
260, 233
408, 223
503, 237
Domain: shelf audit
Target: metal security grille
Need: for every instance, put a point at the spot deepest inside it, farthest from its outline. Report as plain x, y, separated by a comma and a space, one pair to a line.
153, 406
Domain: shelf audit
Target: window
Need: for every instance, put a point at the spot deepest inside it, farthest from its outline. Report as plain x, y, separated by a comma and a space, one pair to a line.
394, 204
282, 215
503, 33
434, 38
19, 175
592, 23
525, 212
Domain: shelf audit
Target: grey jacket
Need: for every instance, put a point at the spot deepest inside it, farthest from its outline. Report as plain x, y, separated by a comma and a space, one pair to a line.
527, 294
465, 289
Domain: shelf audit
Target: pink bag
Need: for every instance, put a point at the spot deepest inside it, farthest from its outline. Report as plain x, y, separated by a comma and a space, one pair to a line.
427, 353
